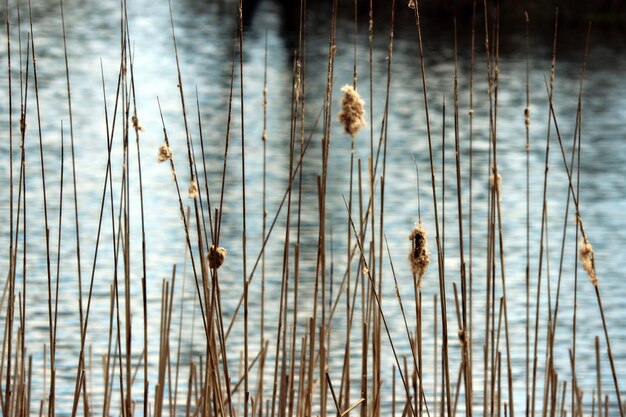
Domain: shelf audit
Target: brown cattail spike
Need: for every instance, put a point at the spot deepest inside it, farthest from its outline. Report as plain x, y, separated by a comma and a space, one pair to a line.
193, 190
165, 153
587, 259
216, 256
419, 257
352, 111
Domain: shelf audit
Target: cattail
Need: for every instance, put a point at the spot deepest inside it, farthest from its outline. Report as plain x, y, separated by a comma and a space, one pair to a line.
412, 4
165, 153
136, 125
352, 111
193, 190
587, 259
419, 257
462, 337
216, 256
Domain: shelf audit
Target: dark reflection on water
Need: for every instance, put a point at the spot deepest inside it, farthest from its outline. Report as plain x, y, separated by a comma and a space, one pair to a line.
205, 39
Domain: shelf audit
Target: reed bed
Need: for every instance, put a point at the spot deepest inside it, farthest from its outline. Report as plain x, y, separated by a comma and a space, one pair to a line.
229, 333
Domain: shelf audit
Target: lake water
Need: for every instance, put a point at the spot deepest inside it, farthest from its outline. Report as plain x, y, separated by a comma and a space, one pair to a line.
205, 40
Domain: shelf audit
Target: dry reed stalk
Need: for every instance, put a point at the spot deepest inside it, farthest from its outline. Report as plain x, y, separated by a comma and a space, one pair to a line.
435, 206
463, 324
574, 318
598, 375
283, 304
527, 271
417, 368
144, 277
286, 389
264, 218
384, 137
76, 222
298, 103
302, 68
543, 220
470, 334
58, 266
51, 406
344, 393
5, 400
496, 184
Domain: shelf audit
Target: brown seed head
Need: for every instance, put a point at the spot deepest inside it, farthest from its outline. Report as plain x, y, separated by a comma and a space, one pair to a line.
587, 259
165, 153
193, 190
419, 256
136, 125
352, 111
216, 256
496, 181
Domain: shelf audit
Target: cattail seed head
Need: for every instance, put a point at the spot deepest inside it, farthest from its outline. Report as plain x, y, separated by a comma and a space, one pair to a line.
587, 259
419, 256
352, 111
193, 189
165, 153
412, 4
215, 257
462, 337
136, 125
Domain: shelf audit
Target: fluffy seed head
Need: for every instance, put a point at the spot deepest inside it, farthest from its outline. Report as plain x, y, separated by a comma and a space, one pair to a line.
587, 260
165, 153
215, 257
412, 4
193, 190
136, 125
352, 111
419, 256
496, 181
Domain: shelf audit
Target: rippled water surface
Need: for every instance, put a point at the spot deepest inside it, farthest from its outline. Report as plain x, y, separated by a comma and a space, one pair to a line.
204, 33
